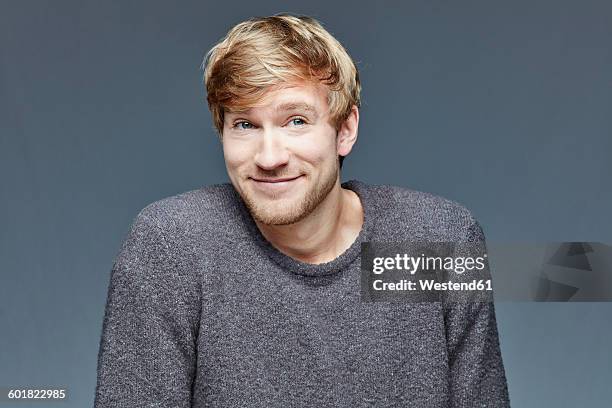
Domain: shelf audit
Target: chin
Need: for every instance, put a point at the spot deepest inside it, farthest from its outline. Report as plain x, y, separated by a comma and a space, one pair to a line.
289, 207
273, 212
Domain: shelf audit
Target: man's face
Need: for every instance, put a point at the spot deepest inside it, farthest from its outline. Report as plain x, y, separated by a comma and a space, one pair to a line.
281, 156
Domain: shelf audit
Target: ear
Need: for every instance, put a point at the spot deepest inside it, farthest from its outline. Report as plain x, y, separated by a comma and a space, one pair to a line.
347, 134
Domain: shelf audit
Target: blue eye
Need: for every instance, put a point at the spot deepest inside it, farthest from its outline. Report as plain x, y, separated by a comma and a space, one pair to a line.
299, 120
238, 125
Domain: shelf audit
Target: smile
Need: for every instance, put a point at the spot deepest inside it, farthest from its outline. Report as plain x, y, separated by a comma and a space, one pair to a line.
275, 185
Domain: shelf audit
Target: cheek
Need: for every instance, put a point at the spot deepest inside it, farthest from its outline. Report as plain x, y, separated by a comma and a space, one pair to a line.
235, 153
315, 150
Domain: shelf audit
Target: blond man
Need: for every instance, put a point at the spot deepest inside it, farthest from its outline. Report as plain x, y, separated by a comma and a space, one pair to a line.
247, 294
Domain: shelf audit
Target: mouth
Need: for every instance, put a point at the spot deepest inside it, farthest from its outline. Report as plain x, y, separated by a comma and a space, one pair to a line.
277, 185
274, 180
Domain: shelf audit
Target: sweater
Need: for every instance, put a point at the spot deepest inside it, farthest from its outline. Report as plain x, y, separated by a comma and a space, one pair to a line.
202, 311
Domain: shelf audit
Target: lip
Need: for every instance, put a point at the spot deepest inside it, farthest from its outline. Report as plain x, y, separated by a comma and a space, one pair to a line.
275, 186
277, 180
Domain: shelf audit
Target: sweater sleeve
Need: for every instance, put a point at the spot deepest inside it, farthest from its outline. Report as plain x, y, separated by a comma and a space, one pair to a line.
477, 375
147, 350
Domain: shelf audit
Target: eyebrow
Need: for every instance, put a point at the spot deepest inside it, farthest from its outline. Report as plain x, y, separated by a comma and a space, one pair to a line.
283, 107
289, 106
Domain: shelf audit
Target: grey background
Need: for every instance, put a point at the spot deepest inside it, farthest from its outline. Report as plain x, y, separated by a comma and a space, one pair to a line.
502, 106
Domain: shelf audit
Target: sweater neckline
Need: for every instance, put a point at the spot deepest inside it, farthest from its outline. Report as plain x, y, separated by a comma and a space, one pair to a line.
328, 268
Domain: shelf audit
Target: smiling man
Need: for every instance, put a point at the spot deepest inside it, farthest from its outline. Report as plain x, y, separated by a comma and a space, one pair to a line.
283, 159
248, 293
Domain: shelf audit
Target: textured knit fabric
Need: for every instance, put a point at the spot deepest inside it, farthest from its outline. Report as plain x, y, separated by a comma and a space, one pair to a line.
202, 311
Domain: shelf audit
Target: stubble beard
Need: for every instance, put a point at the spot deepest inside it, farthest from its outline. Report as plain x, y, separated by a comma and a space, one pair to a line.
275, 214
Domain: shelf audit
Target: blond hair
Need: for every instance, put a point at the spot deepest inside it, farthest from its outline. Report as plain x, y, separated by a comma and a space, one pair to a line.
265, 52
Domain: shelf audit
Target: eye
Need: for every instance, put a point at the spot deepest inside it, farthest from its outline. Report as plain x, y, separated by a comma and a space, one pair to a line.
298, 121
238, 125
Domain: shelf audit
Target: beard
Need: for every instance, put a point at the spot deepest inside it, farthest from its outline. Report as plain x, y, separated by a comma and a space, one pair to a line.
286, 212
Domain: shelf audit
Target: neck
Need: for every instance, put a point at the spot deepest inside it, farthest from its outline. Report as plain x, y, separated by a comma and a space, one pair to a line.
325, 233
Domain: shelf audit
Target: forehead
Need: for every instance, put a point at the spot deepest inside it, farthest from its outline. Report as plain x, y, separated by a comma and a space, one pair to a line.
304, 97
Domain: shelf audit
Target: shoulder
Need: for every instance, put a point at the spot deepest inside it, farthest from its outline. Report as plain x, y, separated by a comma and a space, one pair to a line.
159, 255
424, 214
434, 208
193, 211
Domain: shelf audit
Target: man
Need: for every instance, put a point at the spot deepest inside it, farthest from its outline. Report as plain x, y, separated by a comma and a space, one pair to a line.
248, 294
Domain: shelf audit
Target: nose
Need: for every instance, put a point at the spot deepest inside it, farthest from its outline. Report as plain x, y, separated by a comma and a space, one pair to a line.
271, 152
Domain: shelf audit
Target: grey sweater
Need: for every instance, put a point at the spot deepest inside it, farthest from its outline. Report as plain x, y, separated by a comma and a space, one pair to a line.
202, 311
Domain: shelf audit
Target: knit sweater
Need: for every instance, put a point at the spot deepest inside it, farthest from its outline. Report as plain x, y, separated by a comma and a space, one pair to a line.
202, 311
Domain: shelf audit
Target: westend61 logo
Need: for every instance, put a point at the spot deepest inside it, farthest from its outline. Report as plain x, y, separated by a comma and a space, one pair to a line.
425, 272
